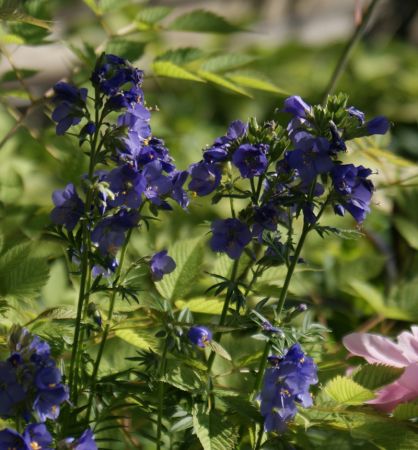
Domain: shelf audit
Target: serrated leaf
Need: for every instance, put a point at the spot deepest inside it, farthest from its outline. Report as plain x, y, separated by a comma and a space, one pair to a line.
219, 350
226, 62
221, 81
213, 432
223, 266
202, 21
131, 50
254, 80
373, 376
188, 255
22, 274
181, 56
345, 391
243, 407
406, 411
58, 313
202, 305
183, 378
168, 69
153, 14
143, 341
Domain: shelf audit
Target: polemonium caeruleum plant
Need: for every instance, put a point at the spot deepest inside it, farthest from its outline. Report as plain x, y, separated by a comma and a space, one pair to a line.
277, 182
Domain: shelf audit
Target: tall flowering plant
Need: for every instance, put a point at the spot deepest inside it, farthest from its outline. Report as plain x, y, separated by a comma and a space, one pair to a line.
277, 182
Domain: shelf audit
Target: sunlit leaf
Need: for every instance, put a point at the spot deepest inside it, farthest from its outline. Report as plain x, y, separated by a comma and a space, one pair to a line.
202, 21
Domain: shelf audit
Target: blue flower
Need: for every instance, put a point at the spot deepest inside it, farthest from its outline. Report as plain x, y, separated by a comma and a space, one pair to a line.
48, 378
37, 437
205, 178
112, 73
137, 119
68, 207
109, 233
296, 106
178, 194
128, 185
158, 185
354, 191
161, 264
251, 160
200, 336
354, 112
310, 159
12, 393
12, 440
84, 442
219, 151
286, 384
378, 125
48, 401
70, 103
230, 236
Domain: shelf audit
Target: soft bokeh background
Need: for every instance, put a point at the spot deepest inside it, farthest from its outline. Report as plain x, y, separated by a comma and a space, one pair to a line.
288, 47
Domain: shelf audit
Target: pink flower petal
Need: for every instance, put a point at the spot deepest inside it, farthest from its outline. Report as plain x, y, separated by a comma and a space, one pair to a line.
402, 390
409, 346
375, 349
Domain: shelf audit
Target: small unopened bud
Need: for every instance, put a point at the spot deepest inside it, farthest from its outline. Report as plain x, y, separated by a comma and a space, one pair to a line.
302, 307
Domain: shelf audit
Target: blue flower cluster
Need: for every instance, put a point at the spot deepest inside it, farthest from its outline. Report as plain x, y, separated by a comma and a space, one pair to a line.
200, 336
145, 172
286, 384
31, 388
291, 170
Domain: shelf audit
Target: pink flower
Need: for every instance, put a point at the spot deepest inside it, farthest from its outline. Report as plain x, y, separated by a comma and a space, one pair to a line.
377, 349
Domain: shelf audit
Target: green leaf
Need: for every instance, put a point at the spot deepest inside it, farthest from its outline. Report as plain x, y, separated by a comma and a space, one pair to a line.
202, 21
373, 152
226, 62
223, 266
202, 305
144, 341
243, 407
347, 392
183, 377
221, 81
21, 273
11, 75
181, 56
188, 255
11, 10
408, 230
373, 376
254, 80
131, 50
92, 4
9, 38
406, 411
213, 431
168, 69
153, 14
113, 5
219, 350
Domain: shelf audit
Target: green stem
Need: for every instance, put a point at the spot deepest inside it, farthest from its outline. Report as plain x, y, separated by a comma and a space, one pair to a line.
217, 336
161, 396
342, 62
85, 264
106, 330
282, 299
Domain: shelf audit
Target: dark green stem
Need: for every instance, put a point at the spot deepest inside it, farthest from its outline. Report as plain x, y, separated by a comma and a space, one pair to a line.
228, 297
342, 62
107, 329
161, 395
85, 265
